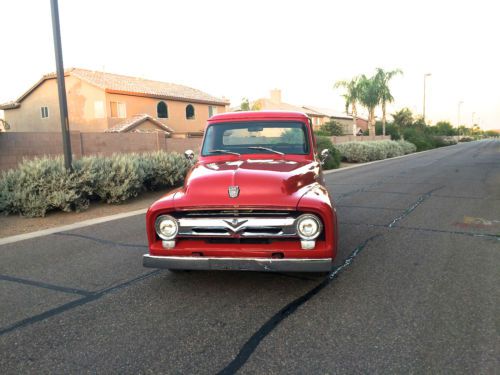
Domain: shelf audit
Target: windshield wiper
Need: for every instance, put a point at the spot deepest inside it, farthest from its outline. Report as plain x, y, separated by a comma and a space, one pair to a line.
224, 152
266, 149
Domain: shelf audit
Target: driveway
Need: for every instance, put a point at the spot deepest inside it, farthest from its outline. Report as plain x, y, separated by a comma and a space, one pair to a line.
415, 288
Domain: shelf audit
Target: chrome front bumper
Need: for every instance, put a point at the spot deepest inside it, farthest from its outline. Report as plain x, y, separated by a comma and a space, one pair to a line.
237, 264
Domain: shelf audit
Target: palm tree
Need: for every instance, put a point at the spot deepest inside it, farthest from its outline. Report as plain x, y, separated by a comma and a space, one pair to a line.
369, 98
385, 95
351, 97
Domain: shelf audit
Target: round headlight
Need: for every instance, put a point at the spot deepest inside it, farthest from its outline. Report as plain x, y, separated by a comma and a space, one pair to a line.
166, 227
308, 226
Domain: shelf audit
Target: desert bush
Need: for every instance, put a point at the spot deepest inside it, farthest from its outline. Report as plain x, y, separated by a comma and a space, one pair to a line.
333, 161
162, 169
407, 147
442, 141
41, 185
374, 150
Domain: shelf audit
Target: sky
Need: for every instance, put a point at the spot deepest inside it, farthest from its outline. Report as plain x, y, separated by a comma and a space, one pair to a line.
242, 49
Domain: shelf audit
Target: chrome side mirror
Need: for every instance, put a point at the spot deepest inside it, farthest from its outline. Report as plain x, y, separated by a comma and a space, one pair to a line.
189, 154
324, 155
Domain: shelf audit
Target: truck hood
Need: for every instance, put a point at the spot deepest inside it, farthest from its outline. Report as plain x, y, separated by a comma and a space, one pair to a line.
262, 183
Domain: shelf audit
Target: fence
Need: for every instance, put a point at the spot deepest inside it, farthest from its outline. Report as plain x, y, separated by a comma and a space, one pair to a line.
14, 147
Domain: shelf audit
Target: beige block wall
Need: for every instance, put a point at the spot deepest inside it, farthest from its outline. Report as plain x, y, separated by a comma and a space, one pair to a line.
81, 97
14, 147
176, 120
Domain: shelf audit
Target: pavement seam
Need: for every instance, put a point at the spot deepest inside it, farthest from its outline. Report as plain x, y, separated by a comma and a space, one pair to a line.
254, 341
41, 284
470, 234
73, 304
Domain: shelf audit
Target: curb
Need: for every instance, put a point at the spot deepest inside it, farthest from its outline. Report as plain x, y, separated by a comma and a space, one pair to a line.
64, 228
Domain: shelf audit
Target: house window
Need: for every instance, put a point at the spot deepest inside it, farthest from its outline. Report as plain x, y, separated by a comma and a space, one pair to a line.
212, 110
44, 112
190, 112
99, 109
118, 110
162, 110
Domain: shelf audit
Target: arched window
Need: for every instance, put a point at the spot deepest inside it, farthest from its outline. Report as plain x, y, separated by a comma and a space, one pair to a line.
189, 112
162, 110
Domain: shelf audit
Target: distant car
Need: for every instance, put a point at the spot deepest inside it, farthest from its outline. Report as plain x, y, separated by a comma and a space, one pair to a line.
255, 200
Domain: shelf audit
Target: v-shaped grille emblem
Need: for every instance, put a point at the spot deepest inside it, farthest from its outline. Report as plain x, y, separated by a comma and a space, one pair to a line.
235, 223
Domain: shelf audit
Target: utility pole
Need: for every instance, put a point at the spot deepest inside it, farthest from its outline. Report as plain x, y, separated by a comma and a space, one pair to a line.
425, 76
61, 88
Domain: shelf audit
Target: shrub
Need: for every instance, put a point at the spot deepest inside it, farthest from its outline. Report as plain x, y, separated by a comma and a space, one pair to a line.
407, 147
40, 185
420, 139
162, 169
374, 150
333, 161
441, 141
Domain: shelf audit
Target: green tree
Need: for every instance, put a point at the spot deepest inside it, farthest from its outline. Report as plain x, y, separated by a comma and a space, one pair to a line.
463, 130
351, 96
403, 118
491, 133
385, 95
443, 128
245, 104
330, 128
369, 98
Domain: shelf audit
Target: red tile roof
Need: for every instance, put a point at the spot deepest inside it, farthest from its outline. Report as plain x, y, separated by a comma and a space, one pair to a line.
115, 83
134, 121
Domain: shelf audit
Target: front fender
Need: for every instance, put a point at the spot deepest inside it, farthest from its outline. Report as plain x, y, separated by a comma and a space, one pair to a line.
317, 200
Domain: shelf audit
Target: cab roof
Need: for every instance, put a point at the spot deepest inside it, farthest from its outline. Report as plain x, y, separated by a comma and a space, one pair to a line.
258, 115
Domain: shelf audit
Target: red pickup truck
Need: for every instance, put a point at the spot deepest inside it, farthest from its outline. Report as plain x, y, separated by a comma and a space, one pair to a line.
255, 200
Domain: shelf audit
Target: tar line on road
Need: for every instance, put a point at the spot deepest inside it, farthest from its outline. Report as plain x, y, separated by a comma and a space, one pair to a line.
70, 305
254, 341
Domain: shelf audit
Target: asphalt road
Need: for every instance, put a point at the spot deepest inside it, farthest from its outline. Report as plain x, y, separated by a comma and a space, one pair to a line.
416, 288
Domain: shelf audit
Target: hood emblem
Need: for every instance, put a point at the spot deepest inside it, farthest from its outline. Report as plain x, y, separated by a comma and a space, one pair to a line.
233, 191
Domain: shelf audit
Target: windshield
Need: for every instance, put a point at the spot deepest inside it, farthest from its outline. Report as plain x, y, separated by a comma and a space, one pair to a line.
256, 137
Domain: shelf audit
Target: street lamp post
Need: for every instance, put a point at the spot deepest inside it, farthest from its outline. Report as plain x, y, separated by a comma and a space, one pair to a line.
425, 79
458, 113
